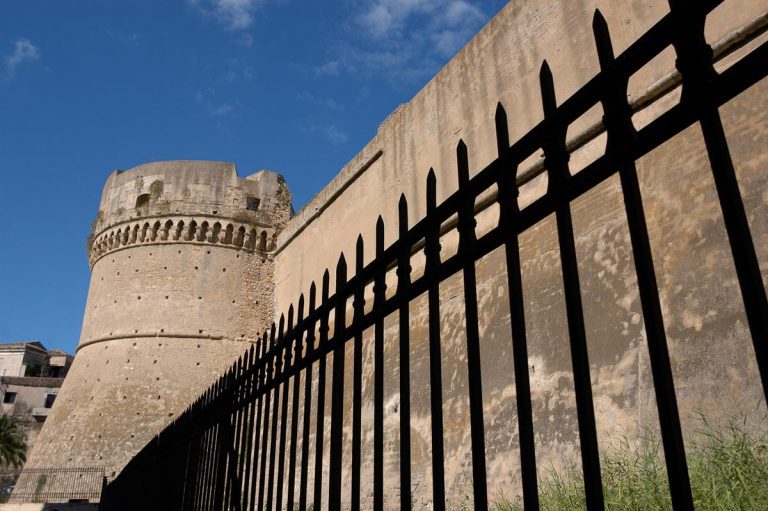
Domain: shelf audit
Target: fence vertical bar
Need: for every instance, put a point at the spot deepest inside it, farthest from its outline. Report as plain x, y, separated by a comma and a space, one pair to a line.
467, 239
379, 297
509, 211
320, 423
307, 412
269, 371
403, 286
694, 61
259, 450
431, 272
284, 413
337, 395
278, 359
556, 161
253, 399
357, 378
298, 337
617, 119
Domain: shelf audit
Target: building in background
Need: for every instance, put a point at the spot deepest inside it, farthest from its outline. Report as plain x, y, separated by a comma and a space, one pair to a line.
30, 379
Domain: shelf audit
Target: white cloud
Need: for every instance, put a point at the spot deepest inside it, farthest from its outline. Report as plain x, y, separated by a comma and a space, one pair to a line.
405, 40
233, 14
333, 134
329, 103
126, 37
329, 68
23, 51
215, 109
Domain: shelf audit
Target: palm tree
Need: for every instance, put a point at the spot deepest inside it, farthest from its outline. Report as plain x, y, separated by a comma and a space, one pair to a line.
13, 446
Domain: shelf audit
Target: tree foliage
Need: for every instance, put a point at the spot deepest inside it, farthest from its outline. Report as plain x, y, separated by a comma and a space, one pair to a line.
13, 446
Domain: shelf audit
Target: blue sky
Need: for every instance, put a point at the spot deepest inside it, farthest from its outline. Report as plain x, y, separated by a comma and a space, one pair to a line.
88, 86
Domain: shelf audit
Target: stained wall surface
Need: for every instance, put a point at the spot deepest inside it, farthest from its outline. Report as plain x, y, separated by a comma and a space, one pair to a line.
181, 284
713, 359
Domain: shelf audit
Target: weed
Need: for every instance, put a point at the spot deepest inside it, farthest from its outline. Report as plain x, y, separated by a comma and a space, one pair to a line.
728, 468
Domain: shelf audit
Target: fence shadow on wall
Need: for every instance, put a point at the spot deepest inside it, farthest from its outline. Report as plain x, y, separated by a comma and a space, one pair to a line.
233, 449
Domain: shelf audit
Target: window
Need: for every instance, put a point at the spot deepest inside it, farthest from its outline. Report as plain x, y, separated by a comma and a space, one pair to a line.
49, 399
252, 203
33, 370
142, 203
9, 398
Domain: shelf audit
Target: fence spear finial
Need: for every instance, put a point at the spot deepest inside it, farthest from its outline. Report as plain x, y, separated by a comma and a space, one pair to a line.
547, 84
431, 190
502, 129
602, 39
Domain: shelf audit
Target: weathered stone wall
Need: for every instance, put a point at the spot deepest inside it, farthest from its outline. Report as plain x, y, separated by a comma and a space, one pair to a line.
181, 284
713, 360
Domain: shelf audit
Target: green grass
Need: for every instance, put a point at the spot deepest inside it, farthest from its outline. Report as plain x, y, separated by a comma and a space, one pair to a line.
728, 469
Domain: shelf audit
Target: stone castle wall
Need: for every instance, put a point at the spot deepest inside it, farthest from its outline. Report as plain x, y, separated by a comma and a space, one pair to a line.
712, 356
181, 284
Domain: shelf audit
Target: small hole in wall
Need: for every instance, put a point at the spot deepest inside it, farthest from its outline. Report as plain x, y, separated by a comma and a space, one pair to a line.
150, 253
134, 345
138, 413
132, 435
135, 331
154, 361
179, 251
214, 211
102, 278
165, 267
157, 379
125, 397
198, 345
158, 397
233, 301
195, 267
139, 298
223, 269
129, 257
208, 252
118, 273
200, 331
161, 331
197, 364
166, 297
115, 302
137, 270
113, 260
237, 256
199, 297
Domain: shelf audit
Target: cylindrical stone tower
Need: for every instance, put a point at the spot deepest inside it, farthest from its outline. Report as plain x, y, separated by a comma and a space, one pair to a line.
182, 282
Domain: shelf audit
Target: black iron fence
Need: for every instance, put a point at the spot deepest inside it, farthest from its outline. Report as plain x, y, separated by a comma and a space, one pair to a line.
232, 449
59, 485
